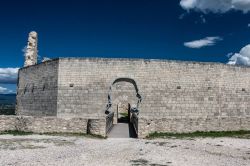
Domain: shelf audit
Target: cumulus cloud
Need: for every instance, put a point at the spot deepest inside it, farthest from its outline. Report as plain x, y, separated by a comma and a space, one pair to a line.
241, 58
216, 6
8, 75
207, 41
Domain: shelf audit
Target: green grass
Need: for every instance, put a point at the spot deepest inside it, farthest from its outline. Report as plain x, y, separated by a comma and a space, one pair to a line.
124, 114
213, 134
16, 132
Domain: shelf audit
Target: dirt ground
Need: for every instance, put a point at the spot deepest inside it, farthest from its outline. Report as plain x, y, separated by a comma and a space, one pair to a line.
39, 150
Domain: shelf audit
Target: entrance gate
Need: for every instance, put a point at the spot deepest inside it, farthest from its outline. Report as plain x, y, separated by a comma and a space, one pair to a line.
125, 123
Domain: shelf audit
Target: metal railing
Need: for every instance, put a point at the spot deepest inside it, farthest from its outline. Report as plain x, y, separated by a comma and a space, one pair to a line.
134, 121
109, 121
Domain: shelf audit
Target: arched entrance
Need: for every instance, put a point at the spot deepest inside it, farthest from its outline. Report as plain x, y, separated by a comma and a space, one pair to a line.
123, 102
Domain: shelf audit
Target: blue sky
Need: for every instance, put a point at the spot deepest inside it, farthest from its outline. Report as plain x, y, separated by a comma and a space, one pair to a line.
190, 30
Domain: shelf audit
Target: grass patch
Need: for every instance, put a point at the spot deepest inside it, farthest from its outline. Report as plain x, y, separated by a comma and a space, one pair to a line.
213, 134
16, 132
124, 114
123, 117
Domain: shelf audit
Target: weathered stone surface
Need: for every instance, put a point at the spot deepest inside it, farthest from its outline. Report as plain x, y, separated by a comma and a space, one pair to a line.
37, 90
31, 50
7, 123
187, 125
97, 126
212, 94
43, 124
52, 125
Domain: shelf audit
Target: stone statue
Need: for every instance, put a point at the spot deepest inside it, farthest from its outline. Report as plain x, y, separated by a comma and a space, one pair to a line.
31, 50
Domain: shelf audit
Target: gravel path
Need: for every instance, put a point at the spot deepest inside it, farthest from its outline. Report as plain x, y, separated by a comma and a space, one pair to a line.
39, 150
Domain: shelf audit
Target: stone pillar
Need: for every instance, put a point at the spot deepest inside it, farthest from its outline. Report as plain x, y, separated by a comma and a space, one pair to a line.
31, 50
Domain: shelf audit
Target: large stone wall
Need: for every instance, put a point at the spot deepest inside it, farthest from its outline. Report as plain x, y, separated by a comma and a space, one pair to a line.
43, 124
37, 89
52, 125
174, 92
188, 125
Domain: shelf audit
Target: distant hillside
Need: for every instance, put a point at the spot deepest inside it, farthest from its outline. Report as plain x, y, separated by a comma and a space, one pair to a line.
7, 104
7, 99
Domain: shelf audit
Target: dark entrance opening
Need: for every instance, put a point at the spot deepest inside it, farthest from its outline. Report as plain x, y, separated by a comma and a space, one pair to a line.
125, 114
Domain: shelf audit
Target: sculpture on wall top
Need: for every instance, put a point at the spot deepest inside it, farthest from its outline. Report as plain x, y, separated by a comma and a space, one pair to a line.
31, 50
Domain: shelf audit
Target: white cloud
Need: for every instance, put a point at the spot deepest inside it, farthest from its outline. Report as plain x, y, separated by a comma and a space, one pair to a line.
5, 90
241, 58
188, 4
216, 6
208, 41
229, 54
8, 75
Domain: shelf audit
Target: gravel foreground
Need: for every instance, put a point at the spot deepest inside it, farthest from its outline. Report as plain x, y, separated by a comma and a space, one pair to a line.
39, 150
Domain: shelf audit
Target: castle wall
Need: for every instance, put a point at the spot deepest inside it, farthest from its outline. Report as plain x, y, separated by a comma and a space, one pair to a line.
42, 124
176, 96
37, 89
218, 100
52, 125
171, 91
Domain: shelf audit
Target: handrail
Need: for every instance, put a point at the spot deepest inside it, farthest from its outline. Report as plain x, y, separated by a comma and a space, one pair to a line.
109, 121
134, 120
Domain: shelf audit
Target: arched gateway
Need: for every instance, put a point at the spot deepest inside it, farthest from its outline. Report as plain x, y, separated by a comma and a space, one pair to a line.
130, 115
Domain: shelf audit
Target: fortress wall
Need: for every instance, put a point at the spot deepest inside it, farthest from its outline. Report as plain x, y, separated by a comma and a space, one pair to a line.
43, 124
176, 96
90, 80
37, 89
171, 91
52, 125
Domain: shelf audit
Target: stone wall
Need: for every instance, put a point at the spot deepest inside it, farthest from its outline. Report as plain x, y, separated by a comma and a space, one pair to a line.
97, 127
43, 124
181, 91
7, 123
52, 125
37, 89
187, 125
170, 90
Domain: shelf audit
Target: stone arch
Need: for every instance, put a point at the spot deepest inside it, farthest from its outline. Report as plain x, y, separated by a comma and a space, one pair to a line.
123, 79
